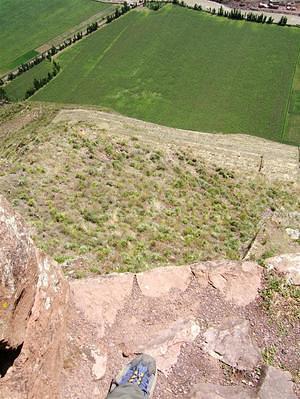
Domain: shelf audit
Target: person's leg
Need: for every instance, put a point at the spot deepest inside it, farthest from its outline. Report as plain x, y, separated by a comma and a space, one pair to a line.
136, 381
126, 391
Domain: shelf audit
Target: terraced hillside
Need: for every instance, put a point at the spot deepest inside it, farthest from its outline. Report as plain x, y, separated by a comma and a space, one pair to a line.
118, 194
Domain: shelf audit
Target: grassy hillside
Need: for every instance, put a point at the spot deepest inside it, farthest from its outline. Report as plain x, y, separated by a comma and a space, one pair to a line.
17, 88
185, 69
124, 204
27, 24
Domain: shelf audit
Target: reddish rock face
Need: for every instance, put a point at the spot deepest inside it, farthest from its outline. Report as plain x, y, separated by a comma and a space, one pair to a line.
238, 282
33, 299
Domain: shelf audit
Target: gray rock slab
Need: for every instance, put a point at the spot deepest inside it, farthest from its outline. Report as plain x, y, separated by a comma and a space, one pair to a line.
213, 391
232, 343
288, 264
165, 346
293, 233
276, 384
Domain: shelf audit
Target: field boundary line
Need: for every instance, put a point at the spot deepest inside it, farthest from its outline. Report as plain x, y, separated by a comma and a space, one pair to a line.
98, 17
100, 57
286, 118
101, 25
108, 48
76, 28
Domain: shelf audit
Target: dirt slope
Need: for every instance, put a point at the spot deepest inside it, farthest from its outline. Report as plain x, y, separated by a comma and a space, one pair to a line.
238, 151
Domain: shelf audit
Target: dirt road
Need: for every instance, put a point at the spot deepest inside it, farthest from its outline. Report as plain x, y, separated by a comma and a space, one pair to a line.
206, 4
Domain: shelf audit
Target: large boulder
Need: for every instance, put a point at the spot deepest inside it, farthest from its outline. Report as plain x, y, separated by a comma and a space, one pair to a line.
33, 303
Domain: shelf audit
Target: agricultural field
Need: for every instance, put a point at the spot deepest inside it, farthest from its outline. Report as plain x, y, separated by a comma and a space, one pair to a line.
28, 24
292, 129
17, 89
185, 69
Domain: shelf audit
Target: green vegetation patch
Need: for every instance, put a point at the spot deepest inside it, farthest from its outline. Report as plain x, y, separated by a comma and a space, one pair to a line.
185, 69
28, 24
125, 205
23, 58
17, 89
292, 129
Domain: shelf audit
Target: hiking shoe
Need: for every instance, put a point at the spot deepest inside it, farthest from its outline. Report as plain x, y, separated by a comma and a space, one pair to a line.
141, 372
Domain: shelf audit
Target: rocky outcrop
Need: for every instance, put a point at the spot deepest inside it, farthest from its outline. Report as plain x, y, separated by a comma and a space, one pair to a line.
232, 343
274, 384
165, 346
166, 279
214, 391
238, 282
33, 299
288, 264
202, 323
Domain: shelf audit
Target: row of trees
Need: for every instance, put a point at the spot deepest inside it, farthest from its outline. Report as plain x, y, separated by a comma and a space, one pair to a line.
46, 55
250, 16
38, 83
119, 11
235, 14
67, 42
91, 28
3, 96
153, 5
282, 21
238, 15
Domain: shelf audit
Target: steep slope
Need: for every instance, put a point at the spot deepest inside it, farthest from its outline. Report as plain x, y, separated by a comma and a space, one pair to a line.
214, 328
119, 194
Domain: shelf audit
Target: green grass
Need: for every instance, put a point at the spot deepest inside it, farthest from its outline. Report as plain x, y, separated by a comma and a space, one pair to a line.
292, 130
185, 69
28, 24
16, 89
126, 205
23, 58
281, 299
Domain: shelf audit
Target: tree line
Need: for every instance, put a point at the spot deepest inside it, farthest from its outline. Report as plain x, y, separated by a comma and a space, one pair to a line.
234, 14
238, 15
119, 11
39, 83
67, 42
153, 5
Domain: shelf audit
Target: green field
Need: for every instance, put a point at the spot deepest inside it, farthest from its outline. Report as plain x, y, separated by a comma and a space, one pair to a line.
16, 89
28, 24
186, 69
292, 129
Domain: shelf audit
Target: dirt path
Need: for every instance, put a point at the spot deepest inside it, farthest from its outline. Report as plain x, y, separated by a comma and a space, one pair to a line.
279, 161
82, 26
